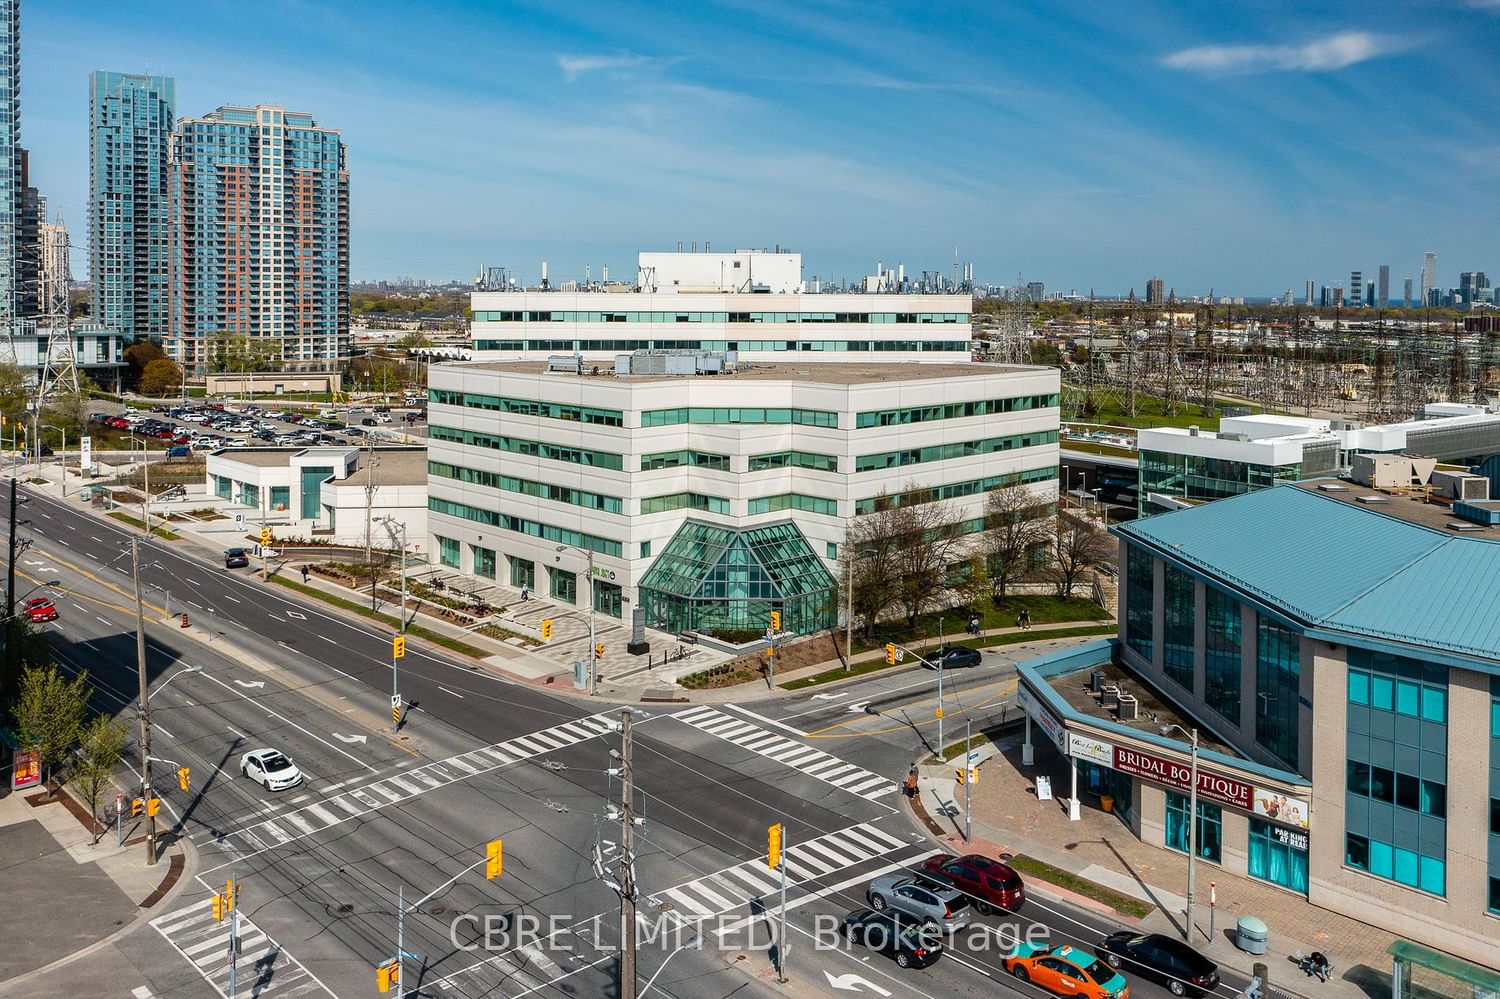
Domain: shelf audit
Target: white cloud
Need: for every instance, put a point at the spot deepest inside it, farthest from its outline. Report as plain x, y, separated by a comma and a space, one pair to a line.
1333, 52
574, 66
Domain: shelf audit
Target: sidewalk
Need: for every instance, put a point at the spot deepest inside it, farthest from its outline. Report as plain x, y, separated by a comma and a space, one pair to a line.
1008, 819
67, 897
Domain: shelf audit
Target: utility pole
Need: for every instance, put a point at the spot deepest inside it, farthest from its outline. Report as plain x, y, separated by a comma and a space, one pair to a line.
370, 462
968, 782
627, 858
140, 663
12, 668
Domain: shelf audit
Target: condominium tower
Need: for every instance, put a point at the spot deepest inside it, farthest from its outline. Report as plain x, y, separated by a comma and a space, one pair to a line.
1429, 275
260, 236
129, 137
10, 153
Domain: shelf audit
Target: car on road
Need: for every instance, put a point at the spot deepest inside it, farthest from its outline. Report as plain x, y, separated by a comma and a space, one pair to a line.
991, 884
954, 657
911, 943
368, 421
1067, 971
943, 905
1184, 971
39, 609
237, 558
271, 769
179, 451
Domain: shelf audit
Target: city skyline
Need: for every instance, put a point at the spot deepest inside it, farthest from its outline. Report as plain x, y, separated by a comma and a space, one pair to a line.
1058, 145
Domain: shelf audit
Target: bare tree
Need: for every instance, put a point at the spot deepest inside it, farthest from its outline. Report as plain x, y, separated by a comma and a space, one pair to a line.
869, 562
925, 537
1080, 546
1014, 524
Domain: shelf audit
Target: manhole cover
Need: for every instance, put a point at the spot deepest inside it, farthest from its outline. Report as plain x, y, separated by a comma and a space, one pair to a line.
664, 907
344, 909
437, 910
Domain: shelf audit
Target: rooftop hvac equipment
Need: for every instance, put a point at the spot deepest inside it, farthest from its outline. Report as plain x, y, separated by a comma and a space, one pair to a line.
1130, 707
676, 362
571, 363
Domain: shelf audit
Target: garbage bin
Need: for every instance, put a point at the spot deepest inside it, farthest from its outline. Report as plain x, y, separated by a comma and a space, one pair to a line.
1251, 935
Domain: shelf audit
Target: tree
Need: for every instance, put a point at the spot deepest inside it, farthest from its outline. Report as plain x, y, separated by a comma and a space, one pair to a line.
49, 716
869, 563
924, 538
1014, 525
412, 340
229, 352
160, 376
13, 394
1080, 547
26, 648
139, 355
100, 746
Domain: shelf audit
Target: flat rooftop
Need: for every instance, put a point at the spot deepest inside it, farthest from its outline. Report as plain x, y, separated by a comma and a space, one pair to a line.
834, 373
1408, 505
1154, 710
393, 467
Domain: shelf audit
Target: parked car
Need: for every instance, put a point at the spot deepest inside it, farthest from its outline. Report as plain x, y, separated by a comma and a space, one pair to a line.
236, 558
1184, 971
935, 903
368, 421
911, 943
1067, 971
991, 884
955, 657
39, 609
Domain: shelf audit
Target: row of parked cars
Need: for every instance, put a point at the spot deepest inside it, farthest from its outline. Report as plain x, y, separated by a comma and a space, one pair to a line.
911, 912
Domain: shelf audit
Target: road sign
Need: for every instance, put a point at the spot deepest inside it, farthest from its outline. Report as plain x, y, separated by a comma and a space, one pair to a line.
239, 520
86, 453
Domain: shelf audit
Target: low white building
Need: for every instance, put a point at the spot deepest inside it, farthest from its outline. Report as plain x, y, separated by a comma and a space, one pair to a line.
329, 493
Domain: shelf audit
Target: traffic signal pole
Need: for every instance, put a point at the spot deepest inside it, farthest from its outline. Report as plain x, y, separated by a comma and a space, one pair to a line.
145, 709
627, 850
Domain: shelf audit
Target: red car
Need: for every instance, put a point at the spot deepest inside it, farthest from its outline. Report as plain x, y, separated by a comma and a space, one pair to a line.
991, 884
39, 609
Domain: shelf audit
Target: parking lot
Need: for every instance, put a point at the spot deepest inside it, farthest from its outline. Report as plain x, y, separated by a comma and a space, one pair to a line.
204, 427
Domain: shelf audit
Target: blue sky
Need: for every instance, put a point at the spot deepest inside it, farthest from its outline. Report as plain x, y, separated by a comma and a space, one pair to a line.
1241, 146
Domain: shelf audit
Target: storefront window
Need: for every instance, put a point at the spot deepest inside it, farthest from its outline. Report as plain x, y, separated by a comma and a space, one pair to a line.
1278, 855
1104, 782
484, 561
448, 551
1210, 826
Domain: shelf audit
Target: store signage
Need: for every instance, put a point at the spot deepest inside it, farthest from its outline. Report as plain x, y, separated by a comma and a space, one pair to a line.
1083, 748
1043, 717
1280, 808
1293, 838
86, 453
603, 573
28, 770
1211, 786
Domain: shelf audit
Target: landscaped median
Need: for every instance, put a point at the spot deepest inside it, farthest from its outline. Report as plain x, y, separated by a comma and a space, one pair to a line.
159, 532
985, 642
414, 630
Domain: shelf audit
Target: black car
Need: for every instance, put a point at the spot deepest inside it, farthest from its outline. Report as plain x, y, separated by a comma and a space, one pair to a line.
955, 657
237, 558
1181, 969
911, 942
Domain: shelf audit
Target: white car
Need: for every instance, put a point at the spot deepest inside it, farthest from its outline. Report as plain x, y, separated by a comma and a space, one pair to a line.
271, 769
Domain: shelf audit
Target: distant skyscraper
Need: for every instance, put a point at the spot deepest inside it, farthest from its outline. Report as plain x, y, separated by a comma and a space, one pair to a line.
1356, 289
1155, 291
1406, 299
129, 136
1470, 284
1383, 294
1035, 290
10, 156
52, 276
1429, 276
1370, 294
31, 212
1338, 294
260, 236
1310, 290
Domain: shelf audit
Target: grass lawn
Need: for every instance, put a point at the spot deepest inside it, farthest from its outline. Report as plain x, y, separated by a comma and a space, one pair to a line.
395, 625
1044, 609
1149, 411
1123, 904
140, 525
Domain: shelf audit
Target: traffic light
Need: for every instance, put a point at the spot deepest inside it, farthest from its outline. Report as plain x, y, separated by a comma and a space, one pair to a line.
136, 807
973, 775
775, 622
599, 651
494, 859
773, 846
398, 647
547, 629
937, 712
959, 774
890, 654
387, 975
182, 778
265, 535
219, 909
153, 805
230, 891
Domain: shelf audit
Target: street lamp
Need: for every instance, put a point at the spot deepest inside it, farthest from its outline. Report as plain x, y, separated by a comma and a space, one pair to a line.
1192, 844
1065, 487
849, 603
145, 481
590, 656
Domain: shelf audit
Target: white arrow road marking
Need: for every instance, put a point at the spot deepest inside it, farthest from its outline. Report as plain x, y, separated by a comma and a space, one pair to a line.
351, 739
830, 697
250, 684
853, 983
858, 706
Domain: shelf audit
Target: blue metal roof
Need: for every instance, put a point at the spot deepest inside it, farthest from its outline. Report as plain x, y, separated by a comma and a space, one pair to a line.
1340, 567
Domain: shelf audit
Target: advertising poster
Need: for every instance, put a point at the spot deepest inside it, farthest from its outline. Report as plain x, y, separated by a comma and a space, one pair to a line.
1280, 808
28, 770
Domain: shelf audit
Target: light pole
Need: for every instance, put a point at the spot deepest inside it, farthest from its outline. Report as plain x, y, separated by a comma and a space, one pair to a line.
145, 481
1065, 481
140, 661
64, 432
849, 604
1192, 844
590, 657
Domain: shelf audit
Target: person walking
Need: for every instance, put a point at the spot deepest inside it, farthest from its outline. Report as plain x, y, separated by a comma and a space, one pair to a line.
525, 594
1024, 620
305, 572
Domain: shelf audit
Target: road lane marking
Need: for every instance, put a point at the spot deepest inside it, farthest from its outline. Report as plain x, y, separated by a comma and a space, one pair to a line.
453, 692
101, 620
287, 720
769, 721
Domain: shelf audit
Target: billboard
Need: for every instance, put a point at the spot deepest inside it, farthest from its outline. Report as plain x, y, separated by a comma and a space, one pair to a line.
27, 771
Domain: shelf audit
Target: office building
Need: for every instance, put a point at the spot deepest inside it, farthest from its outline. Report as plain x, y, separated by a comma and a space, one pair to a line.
129, 222
1311, 291
1335, 657
748, 303
1035, 291
1472, 286
1429, 276
53, 274
1155, 291
259, 237
1406, 296
1356, 289
711, 498
10, 157
1383, 293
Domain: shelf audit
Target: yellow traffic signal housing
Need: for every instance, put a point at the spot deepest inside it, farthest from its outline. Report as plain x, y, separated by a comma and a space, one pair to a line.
230, 891
137, 806
547, 630
958, 774
265, 535
183, 778
599, 651
973, 775
890, 654
775, 621
773, 846
386, 976
398, 647
494, 859
153, 806
219, 909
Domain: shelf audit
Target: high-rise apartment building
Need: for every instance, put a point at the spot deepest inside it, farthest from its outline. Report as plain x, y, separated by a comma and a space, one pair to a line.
53, 273
1406, 298
1429, 276
1383, 294
260, 236
1155, 291
1356, 289
1311, 290
31, 212
1470, 284
10, 155
130, 133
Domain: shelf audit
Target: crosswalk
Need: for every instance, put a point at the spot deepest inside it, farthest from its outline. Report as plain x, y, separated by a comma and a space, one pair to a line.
813, 762
262, 969
727, 890
284, 827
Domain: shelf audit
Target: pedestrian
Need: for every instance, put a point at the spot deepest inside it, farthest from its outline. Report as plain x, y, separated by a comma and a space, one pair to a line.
525, 594
305, 571
1024, 620
911, 783
974, 625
